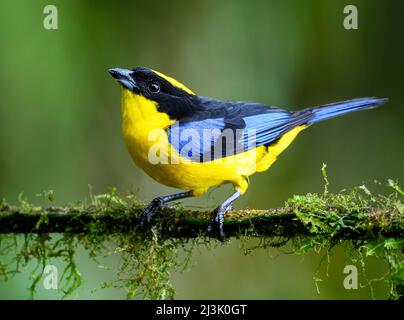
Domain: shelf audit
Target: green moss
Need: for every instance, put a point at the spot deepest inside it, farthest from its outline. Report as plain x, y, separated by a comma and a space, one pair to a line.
373, 223
327, 215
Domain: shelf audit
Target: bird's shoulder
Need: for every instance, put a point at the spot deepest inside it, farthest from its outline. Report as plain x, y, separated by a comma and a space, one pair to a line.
231, 111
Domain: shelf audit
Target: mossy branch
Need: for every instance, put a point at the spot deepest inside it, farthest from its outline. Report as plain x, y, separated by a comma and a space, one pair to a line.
123, 216
372, 223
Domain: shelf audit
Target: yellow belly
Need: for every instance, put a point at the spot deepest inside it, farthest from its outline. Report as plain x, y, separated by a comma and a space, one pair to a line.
152, 152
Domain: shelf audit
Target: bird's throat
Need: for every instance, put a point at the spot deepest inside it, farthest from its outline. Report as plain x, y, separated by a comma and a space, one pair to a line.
141, 120
141, 115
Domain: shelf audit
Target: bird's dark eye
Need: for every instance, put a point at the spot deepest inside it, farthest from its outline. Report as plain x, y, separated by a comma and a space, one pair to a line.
153, 87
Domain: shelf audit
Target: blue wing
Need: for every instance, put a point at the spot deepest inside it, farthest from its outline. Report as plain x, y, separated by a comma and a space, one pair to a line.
225, 128
209, 139
267, 127
193, 139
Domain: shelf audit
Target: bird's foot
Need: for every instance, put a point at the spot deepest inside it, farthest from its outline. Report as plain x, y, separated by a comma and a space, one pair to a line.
215, 227
149, 211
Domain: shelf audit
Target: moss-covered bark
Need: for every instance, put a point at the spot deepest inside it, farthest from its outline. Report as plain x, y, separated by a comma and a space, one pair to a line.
373, 225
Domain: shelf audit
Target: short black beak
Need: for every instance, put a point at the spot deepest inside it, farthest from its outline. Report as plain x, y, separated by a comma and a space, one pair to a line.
123, 76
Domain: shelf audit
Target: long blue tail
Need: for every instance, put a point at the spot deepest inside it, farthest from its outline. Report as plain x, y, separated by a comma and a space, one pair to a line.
339, 108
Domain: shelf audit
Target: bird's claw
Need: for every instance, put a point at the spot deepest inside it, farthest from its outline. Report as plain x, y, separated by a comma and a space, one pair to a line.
148, 213
215, 227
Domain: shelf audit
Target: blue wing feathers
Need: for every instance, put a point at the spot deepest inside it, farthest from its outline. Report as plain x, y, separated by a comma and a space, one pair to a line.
259, 125
192, 139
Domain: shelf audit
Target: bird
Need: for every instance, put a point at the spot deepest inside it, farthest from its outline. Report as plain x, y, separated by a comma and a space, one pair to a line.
193, 142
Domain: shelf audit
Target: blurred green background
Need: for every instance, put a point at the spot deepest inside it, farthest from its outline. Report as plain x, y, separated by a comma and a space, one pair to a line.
60, 116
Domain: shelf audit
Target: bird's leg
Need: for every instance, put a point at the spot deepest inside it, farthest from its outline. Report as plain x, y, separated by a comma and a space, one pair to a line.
216, 222
157, 203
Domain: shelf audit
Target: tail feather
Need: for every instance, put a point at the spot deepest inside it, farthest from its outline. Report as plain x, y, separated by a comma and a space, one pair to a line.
332, 110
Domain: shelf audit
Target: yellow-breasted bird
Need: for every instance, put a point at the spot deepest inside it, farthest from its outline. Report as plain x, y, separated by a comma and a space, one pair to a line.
201, 142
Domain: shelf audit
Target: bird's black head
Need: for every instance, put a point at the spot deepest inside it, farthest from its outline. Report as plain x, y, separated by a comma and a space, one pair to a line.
172, 97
